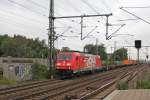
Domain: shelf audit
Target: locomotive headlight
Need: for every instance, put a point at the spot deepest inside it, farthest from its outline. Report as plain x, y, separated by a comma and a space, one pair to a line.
68, 64
58, 64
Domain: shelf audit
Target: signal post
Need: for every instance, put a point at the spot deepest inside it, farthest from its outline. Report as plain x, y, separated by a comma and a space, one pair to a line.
138, 46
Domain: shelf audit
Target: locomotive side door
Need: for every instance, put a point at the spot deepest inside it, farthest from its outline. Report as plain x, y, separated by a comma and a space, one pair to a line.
78, 62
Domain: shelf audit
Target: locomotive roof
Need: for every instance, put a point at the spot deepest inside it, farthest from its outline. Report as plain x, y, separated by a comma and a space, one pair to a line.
78, 52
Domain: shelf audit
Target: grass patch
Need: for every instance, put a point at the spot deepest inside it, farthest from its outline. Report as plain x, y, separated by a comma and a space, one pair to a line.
122, 86
1, 77
5, 81
143, 84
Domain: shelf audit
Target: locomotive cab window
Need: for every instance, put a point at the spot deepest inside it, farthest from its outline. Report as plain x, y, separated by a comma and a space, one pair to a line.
64, 57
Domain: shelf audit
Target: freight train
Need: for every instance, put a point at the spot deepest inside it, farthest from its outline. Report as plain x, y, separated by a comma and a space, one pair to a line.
77, 63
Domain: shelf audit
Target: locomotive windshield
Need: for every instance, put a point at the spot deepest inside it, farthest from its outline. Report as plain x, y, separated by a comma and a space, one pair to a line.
64, 57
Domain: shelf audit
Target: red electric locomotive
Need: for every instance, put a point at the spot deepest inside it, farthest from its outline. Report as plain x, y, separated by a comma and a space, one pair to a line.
72, 63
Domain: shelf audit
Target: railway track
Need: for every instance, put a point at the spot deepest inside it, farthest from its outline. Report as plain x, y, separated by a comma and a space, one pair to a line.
14, 91
55, 88
110, 86
60, 91
27, 86
76, 93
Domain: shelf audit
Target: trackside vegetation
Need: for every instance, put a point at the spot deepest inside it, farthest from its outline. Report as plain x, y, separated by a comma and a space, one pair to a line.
122, 86
5, 81
140, 84
39, 72
143, 84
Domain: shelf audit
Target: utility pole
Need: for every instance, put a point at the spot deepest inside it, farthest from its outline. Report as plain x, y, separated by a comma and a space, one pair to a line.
51, 39
115, 45
138, 54
96, 46
107, 24
81, 27
115, 50
111, 50
147, 56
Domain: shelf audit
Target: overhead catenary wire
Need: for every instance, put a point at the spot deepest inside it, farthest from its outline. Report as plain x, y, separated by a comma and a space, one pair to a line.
17, 23
12, 25
122, 8
31, 10
64, 23
138, 7
90, 32
83, 16
25, 6
74, 7
106, 6
20, 16
90, 6
59, 35
110, 36
75, 36
129, 19
37, 4
95, 9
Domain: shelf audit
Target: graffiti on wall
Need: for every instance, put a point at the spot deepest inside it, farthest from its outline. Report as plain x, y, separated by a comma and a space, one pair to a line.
23, 71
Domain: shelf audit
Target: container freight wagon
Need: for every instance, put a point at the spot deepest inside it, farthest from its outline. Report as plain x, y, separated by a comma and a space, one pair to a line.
128, 62
75, 63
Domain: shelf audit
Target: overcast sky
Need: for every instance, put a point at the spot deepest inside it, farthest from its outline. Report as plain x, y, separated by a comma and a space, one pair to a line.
30, 18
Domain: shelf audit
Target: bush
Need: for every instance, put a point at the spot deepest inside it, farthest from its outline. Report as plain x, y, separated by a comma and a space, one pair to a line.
39, 72
143, 84
122, 86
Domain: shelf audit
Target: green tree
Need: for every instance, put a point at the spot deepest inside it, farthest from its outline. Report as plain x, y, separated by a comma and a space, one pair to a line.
20, 46
9, 47
89, 48
102, 52
65, 49
39, 72
120, 54
1, 40
96, 49
1, 53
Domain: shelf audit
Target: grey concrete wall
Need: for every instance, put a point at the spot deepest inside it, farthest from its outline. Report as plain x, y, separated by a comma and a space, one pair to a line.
19, 68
